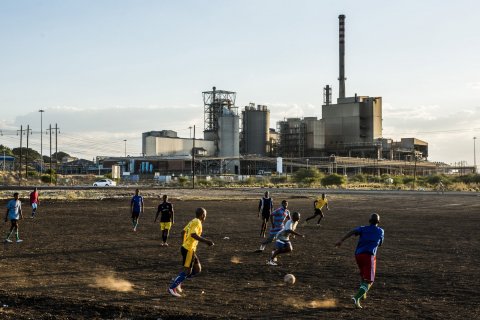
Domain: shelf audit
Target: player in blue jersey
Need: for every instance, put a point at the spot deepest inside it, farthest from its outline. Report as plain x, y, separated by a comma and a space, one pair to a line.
370, 238
14, 213
265, 208
136, 207
278, 219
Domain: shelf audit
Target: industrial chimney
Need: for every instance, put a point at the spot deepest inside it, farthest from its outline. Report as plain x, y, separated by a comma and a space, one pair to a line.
341, 44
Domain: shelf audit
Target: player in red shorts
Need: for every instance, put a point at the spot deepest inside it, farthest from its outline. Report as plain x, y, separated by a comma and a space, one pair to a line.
371, 237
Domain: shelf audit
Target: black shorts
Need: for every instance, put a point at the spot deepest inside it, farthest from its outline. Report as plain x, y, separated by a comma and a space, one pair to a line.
265, 215
189, 258
135, 215
318, 212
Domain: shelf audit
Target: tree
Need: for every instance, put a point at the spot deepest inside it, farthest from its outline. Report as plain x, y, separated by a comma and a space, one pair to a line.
7, 150
310, 175
333, 179
59, 155
32, 154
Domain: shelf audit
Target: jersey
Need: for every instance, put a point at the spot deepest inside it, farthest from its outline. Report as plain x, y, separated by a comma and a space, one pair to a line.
371, 237
14, 207
265, 205
137, 202
319, 203
279, 216
194, 226
166, 210
34, 197
283, 234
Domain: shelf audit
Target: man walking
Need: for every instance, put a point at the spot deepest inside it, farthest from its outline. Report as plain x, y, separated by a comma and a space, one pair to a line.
14, 213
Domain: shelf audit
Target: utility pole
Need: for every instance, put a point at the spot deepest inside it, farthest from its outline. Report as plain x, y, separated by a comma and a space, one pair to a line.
57, 129
41, 139
125, 140
26, 152
20, 160
474, 156
193, 160
50, 133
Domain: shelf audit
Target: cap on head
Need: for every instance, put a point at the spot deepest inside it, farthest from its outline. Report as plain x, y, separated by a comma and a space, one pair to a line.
374, 218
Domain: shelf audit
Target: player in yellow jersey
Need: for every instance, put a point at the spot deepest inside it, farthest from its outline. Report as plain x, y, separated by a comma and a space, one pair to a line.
318, 205
191, 234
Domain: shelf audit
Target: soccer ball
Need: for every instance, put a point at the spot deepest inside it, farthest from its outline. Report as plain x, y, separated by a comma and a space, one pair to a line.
289, 278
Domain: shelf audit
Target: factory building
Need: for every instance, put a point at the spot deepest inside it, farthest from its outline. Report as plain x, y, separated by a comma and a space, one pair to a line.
175, 146
255, 135
221, 125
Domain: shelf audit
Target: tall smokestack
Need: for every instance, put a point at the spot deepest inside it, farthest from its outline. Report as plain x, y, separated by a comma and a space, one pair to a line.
341, 44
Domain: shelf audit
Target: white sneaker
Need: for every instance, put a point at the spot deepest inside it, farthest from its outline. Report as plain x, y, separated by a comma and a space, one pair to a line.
179, 288
274, 259
262, 247
356, 303
174, 292
19, 240
271, 263
8, 241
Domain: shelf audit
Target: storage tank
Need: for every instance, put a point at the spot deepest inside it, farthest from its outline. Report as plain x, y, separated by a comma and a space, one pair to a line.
255, 126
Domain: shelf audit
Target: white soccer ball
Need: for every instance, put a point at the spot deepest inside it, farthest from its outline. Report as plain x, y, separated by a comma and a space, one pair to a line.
289, 278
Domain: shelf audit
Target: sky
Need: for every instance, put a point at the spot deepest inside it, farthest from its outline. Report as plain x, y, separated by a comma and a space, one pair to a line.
106, 71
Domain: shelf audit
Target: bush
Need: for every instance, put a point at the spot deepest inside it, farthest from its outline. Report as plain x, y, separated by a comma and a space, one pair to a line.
32, 173
359, 178
308, 176
333, 179
397, 180
278, 179
46, 178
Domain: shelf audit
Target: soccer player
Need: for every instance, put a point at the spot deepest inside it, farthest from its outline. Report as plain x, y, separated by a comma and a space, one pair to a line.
166, 219
283, 244
371, 237
14, 213
191, 234
277, 218
136, 206
265, 208
318, 204
34, 201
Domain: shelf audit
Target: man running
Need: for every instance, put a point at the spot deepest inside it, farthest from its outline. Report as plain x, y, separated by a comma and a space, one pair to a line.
166, 219
277, 218
318, 204
14, 213
191, 264
283, 244
136, 207
371, 237
34, 201
265, 208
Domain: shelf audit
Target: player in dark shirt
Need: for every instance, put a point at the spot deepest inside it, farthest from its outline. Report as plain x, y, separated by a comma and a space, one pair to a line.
166, 219
265, 208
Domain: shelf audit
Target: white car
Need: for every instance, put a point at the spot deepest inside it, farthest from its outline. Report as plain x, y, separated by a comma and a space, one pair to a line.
104, 183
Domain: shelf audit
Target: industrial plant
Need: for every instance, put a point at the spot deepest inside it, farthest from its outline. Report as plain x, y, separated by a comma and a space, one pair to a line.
347, 139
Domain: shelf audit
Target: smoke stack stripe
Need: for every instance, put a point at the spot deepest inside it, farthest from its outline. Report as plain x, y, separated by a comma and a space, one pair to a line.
341, 42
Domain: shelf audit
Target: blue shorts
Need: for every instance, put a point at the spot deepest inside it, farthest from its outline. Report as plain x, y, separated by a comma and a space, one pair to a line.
281, 244
34, 206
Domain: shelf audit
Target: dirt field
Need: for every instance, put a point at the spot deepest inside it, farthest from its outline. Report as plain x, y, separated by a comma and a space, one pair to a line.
81, 260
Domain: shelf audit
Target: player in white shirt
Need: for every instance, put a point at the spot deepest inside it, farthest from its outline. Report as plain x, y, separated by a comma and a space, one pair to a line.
283, 244
14, 213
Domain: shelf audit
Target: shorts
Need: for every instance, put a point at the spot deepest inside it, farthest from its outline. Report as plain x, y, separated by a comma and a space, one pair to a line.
135, 215
189, 257
165, 225
281, 244
318, 212
34, 206
271, 237
367, 264
266, 215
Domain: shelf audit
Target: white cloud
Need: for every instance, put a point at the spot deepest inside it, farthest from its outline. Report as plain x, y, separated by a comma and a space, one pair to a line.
474, 85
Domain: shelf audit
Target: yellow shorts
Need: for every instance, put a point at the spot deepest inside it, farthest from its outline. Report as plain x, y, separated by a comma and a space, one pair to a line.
165, 225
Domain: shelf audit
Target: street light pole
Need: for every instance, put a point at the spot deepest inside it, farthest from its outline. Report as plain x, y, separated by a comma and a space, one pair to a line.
307, 163
474, 156
125, 140
41, 139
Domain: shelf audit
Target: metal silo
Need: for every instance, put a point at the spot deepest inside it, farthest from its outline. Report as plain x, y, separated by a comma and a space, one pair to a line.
255, 130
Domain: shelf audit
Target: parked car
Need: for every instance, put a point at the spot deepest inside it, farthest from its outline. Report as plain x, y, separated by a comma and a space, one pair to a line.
104, 183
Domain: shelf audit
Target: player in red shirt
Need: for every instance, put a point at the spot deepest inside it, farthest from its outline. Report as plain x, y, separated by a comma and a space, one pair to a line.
34, 201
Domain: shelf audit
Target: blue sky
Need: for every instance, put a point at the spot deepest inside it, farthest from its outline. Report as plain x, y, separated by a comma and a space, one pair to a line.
106, 71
